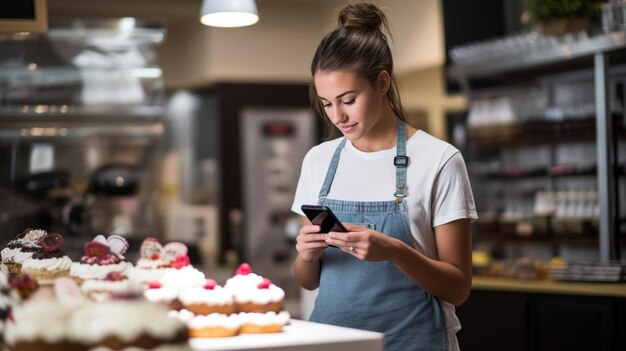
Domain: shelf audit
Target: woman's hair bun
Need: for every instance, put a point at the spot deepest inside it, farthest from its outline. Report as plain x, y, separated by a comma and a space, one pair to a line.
362, 15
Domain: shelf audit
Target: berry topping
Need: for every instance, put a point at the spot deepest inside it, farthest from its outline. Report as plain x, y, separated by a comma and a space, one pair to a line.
150, 247
210, 284
244, 269
96, 249
51, 242
265, 284
180, 262
24, 284
118, 244
114, 277
154, 257
173, 250
154, 285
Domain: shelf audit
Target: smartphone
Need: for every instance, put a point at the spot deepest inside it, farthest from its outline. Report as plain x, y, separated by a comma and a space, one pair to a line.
324, 217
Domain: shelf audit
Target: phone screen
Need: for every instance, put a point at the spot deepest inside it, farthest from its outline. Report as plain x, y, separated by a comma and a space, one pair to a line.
324, 217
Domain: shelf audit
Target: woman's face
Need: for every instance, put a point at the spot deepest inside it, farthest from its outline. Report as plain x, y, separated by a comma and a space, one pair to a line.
350, 102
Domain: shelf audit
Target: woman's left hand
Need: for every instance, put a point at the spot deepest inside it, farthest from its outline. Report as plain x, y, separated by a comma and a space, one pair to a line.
364, 243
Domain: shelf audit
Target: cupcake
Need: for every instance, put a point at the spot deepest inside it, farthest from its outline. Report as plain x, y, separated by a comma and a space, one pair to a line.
253, 293
214, 325
207, 300
21, 248
172, 283
134, 324
260, 323
50, 262
24, 284
102, 256
156, 260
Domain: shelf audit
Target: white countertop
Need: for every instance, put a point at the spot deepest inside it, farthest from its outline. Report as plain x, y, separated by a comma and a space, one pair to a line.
298, 336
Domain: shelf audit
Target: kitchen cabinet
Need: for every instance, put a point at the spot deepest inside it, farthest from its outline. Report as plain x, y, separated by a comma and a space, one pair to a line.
496, 319
544, 141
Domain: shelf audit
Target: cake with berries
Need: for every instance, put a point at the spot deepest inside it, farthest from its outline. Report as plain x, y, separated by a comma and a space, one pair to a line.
102, 256
156, 260
21, 248
253, 293
24, 285
50, 262
206, 300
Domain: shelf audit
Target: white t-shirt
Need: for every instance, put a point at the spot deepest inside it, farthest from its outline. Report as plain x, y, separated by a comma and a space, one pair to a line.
438, 187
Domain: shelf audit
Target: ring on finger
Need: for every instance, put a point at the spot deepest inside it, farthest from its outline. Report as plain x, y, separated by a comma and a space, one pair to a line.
352, 249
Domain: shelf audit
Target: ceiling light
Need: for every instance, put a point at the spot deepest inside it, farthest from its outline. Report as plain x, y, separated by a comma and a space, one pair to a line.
229, 13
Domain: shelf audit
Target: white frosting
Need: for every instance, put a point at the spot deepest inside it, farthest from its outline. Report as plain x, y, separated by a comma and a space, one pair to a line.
4, 269
184, 315
260, 296
126, 320
33, 236
215, 320
144, 275
94, 271
218, 296
240, 282
42, 319
186, 277
16, 255
263, 319
8, 297
163, 294
49, 264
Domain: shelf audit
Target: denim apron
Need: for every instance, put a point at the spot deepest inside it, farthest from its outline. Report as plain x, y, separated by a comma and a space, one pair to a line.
377, 296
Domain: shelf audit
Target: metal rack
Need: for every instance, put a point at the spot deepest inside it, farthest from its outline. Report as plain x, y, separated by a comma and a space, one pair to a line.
573, 51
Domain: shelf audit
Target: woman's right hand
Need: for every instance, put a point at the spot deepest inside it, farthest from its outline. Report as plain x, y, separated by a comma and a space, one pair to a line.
310, 243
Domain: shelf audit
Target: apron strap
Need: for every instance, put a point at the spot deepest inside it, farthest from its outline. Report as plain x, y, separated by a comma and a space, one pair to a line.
401, 162
332, 168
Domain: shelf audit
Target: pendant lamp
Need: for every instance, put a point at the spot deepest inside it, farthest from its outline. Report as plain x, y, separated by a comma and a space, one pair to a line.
229, 13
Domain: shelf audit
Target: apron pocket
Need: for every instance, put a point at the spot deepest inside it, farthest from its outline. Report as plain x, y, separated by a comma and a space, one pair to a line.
366, 225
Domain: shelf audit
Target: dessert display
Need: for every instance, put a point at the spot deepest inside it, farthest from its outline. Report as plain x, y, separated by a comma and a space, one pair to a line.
21, 248
156, 260
102, 256
50, 262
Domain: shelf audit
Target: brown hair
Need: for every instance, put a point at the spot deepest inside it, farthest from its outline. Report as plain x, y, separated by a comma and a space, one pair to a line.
360, 45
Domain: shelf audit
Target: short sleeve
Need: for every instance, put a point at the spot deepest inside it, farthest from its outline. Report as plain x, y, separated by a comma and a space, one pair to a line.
452, 196
304, 193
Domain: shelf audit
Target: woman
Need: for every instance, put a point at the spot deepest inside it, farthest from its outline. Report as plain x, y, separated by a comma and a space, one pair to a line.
403, 195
